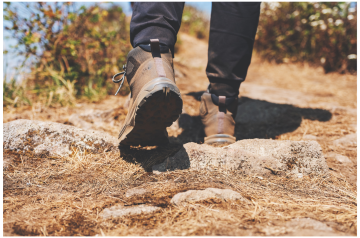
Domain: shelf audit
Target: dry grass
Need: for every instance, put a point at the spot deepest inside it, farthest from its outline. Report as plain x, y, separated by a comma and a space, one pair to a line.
339, 125
66, 197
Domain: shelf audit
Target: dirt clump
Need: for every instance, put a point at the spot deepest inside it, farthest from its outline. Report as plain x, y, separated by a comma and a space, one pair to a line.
209, 193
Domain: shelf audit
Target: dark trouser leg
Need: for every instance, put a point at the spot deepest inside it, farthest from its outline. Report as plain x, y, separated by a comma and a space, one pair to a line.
159, 20
232, 32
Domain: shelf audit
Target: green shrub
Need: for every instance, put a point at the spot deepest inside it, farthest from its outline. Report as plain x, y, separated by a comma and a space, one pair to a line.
320, 33
79, 50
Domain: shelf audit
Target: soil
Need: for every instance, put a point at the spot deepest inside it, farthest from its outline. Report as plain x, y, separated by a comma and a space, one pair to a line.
64, 196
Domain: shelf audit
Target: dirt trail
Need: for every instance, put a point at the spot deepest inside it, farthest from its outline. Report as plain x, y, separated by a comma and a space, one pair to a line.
283, 102
275, 86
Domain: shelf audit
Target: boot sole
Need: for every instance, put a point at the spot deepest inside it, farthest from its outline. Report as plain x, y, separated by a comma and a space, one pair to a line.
156, 107
219, 139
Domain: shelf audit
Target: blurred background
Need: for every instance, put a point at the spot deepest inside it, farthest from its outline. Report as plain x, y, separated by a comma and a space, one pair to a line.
61, 53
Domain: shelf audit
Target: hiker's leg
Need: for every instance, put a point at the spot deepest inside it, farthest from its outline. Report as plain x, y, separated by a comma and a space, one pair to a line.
159, 20
155, 101
232, 32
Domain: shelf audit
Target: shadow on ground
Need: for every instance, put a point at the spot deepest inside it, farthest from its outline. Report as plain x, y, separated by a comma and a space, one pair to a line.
147, 157
255, 119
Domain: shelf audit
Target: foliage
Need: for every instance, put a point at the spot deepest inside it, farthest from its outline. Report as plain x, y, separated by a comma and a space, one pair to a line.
75, 52
14, 94
194, 23
320, 33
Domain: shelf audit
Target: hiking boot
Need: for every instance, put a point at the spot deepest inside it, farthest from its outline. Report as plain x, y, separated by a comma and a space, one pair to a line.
155, 101
218, 117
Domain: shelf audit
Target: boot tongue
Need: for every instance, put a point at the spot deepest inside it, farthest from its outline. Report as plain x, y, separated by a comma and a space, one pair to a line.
220, 100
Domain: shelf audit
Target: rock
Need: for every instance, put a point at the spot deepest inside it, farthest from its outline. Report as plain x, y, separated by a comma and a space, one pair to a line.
340, 158
259, 157
53, 139
308, 227
310, 137
209, 193
348, 140
135, 191
119, 211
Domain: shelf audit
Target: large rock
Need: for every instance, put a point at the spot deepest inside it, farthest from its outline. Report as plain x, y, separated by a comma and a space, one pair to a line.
119, 211
255, 157
53, 139
209, 193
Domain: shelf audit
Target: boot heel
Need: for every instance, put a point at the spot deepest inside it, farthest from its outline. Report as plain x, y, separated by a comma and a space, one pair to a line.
219, 139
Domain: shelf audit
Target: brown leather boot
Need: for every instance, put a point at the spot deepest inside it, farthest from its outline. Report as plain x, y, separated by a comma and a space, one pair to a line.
218, 118
155, 101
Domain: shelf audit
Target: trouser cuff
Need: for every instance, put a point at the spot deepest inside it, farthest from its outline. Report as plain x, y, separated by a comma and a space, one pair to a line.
165, 36
223, 87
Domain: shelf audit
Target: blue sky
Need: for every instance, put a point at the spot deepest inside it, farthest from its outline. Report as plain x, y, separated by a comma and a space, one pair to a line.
13, 60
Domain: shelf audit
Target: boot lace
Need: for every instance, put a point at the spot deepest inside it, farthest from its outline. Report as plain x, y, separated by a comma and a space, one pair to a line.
121, 81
